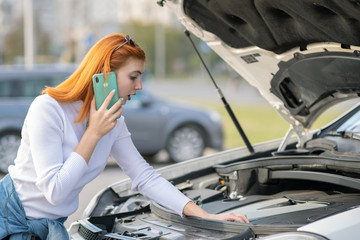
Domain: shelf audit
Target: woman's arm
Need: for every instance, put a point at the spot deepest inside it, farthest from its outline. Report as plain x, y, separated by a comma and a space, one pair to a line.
101, 122
191, 209
143, 176
44, 133
152, 185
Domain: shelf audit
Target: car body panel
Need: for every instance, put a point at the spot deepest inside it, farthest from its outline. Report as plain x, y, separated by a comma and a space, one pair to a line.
336, 231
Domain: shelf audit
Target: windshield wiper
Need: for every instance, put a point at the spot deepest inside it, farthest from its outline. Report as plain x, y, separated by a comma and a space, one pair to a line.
227, 106
344, 134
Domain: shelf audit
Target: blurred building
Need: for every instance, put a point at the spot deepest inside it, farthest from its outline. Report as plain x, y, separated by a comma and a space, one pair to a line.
72, 26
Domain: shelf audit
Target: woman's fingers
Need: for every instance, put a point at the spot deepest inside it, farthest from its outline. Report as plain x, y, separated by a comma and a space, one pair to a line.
104, 120
117, 109
239, 218
107, 100
233, 217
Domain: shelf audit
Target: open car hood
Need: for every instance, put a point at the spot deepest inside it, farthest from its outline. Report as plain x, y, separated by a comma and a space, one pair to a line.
302, 56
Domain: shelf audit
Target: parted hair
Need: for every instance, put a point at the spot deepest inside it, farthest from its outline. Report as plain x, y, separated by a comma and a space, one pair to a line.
101, 58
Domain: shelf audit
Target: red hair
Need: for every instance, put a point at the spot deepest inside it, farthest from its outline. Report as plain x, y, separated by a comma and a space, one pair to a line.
100, 58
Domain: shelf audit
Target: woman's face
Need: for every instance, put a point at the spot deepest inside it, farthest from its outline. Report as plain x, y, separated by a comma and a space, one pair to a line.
129, 78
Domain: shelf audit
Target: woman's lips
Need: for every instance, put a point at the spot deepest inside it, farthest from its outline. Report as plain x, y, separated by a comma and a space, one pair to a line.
129, 98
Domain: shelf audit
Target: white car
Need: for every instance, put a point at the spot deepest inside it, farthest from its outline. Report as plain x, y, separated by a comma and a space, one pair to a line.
303, 57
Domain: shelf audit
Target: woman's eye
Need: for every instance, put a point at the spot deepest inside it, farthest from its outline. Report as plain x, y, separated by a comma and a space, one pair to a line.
133, 78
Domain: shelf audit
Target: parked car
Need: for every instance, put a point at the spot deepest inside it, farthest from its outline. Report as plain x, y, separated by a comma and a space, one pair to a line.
183, 131
303, 57
155, 124
18, 87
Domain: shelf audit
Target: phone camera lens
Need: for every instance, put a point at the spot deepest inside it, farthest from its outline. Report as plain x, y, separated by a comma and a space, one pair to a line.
97, 79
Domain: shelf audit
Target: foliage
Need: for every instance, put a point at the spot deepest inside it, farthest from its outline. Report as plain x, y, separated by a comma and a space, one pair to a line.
13, 46
13, 43
259, 122
180, 57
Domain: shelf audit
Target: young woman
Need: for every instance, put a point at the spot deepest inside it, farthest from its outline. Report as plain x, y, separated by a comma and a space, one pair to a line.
66, 143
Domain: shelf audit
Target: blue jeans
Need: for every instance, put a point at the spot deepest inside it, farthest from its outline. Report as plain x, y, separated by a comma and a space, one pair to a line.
13, 221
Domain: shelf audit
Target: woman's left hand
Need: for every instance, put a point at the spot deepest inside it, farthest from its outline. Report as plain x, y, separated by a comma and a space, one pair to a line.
234, 217
191, 209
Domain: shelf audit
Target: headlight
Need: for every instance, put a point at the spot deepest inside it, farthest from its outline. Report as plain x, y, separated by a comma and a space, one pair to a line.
294, 236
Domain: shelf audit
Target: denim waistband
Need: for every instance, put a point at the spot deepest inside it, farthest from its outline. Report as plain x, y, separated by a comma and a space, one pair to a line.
13, 219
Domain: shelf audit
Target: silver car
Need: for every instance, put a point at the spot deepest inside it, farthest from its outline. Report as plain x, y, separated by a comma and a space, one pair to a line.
303, 57
183, 131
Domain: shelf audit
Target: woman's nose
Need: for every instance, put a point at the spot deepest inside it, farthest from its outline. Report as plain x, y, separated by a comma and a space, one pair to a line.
138, 85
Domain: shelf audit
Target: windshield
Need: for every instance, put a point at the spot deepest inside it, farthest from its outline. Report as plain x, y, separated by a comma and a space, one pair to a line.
352, 125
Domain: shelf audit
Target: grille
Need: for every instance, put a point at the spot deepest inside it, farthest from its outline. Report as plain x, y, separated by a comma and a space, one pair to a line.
145, 234
89, 231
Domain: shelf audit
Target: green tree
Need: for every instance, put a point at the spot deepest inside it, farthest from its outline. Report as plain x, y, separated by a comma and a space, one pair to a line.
181, 58
144, 35
14, 42
13, 45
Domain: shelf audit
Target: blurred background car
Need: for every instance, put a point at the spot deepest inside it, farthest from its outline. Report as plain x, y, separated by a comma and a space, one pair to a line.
184, 132
18, 87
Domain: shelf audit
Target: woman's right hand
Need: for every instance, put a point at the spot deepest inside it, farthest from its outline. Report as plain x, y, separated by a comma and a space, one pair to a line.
103, 120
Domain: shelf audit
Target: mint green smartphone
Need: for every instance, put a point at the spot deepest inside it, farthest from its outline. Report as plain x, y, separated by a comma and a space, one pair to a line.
102, 89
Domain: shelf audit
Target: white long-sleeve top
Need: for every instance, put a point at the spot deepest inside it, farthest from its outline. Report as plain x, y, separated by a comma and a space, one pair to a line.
48, 175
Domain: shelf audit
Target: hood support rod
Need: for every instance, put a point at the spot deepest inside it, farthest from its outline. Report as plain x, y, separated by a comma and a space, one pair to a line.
227, 106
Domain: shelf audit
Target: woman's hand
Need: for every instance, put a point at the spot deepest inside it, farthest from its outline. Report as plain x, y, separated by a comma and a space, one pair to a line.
103, 120
234, 217
191, 209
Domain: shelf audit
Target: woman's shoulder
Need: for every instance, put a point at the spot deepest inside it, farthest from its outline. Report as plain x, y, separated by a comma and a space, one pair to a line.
45, 104
44, 99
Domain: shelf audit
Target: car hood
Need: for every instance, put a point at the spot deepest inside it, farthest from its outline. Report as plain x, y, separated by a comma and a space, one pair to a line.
302, 56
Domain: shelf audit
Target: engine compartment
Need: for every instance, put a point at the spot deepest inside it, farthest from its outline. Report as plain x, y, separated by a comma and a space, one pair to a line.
278, 193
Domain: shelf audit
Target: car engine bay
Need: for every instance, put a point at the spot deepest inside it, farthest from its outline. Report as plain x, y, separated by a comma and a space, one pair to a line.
279, 192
